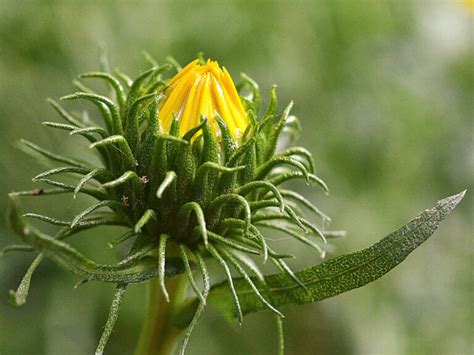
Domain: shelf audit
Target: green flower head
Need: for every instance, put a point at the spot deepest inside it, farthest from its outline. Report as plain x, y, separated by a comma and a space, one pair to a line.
190, 169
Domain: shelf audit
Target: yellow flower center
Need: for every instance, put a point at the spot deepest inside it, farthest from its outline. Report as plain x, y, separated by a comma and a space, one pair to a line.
203, 90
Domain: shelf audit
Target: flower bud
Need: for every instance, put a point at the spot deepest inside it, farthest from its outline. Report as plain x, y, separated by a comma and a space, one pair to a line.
203, 91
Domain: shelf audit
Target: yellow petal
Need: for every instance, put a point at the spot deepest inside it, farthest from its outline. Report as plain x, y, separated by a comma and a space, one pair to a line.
203, 90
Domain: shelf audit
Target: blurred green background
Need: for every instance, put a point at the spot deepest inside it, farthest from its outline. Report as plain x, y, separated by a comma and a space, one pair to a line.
384, 90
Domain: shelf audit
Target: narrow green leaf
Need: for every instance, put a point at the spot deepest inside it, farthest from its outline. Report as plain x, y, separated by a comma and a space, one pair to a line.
284, 177
250, 172
257, 98
162, 265
89, 210
185, 170
233, 198
340, 274
301, 152
128, 159
189, 273
249, 280
88, 130
174, 63
276, 131
39, 192
158, 167
174, 128
200, 307
305, 202
73, 261
260, 146
278, 161
254, 185
149, 58
184, 214
239, 152
100, 100
64, 114
294, 128
269, 117
149, 136
169, 178
122, 179
49, 155
80, 86
123, 77
132, 120
112, 318
114, 83
235, 298
53, 221
134, 92
63, 126
296, 235
145, 218
65, 169
138, 254
231, 244
15, 247
89, 176
254, 234
70, 188
126, 236
210, 151
192, 132
200, 181
18, 297
227, 142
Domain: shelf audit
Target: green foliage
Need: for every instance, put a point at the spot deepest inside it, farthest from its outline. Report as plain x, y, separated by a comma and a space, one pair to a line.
334, 276
73, 261
200, 195
384, 93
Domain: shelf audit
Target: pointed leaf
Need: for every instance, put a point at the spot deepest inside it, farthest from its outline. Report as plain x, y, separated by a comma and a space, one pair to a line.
340, 274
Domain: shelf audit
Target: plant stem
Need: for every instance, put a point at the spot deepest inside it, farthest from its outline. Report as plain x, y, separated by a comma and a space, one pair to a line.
158, 335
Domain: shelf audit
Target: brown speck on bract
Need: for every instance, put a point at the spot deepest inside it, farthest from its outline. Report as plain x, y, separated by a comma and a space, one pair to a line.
37, 192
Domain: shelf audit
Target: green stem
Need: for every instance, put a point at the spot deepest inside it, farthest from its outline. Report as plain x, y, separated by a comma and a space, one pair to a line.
158, 335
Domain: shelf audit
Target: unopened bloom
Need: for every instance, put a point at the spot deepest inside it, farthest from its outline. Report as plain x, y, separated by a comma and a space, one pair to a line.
183, 202
203, 91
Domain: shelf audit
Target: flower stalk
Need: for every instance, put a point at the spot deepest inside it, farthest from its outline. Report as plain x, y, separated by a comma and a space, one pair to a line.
158, 336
